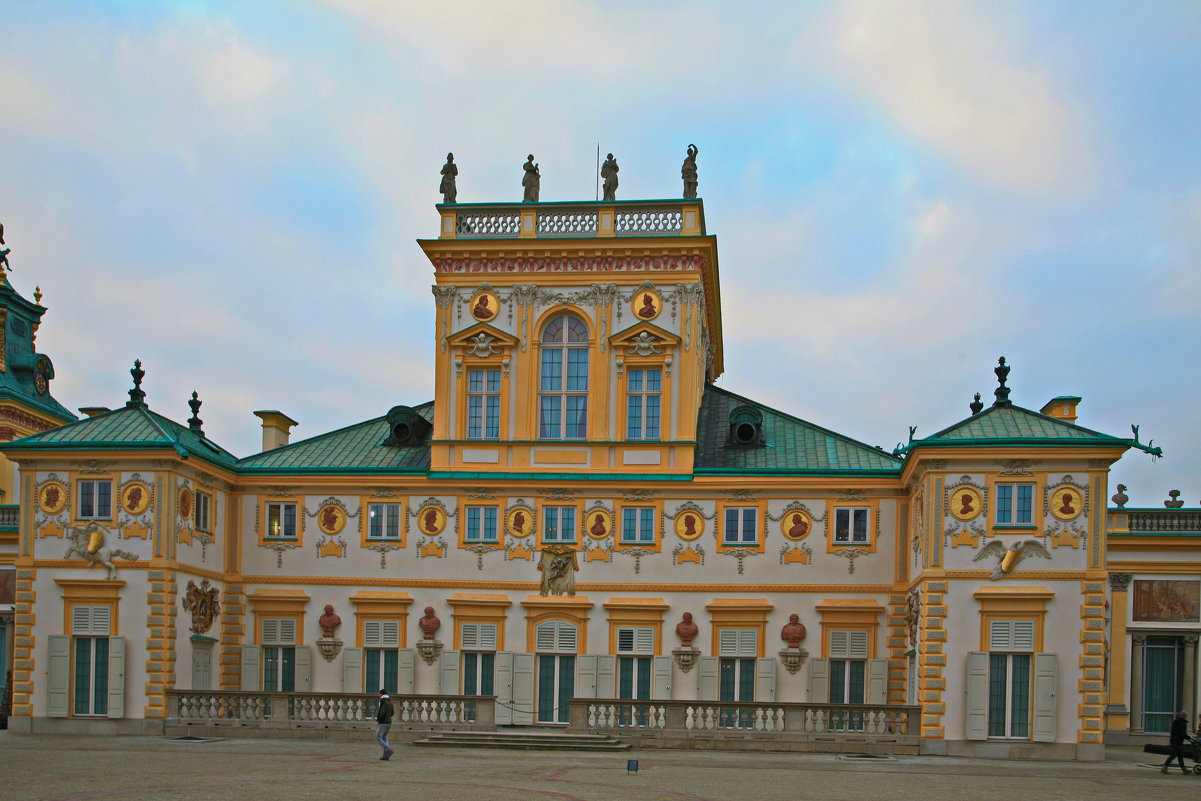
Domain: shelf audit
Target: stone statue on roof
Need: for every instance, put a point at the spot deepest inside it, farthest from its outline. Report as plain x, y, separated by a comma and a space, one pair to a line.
531, 181
449, 172
608, 172
688, 171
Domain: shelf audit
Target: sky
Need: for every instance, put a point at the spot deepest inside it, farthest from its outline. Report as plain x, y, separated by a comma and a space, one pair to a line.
231, 192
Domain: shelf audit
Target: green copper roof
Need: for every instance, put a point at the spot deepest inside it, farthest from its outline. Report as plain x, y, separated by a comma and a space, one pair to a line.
1013, 425
21, 362
125, 428
792, 445
354, 448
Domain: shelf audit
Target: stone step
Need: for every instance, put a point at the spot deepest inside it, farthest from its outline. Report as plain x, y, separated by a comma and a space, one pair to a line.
543, 741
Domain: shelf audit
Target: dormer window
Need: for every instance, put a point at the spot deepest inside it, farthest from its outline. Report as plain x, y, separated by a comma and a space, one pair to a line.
563, 379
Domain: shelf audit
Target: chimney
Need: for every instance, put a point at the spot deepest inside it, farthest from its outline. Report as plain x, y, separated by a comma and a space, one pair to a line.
277, 426
1062, 408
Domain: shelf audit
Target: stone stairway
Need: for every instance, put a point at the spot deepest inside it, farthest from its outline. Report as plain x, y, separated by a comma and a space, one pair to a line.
533, 740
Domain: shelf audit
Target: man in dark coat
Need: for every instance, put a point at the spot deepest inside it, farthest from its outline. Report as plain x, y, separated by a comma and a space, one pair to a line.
1176, 740
384, 719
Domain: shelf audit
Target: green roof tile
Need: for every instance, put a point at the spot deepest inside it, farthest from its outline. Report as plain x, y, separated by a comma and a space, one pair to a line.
998, 424
792, 445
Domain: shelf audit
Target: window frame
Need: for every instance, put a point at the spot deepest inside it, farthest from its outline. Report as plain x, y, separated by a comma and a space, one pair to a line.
852, 513
282, 503
485, 394
95, 483
207, 502
1013, 506
654, 541
368, 538
720, 522
644, 394
544, 515
482, 508
565, 347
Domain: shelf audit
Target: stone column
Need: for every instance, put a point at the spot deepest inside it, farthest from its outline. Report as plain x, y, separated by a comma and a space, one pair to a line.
1190, 677
1116, 711
1136, 682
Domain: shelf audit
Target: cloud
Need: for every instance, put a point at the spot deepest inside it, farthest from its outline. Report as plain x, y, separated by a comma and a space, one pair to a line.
953, 76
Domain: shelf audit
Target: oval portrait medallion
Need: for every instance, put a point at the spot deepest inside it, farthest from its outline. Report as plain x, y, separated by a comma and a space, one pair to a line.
598, 523
135, 498
52, 497
185, 503
689, 525
796, 525
646, 304
485, 306
1067, 503
519, 521
331, 519
431, 520
966, 503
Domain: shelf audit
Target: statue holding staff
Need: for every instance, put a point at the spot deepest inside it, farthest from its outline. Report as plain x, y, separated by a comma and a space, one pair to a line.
688, 172
608, 173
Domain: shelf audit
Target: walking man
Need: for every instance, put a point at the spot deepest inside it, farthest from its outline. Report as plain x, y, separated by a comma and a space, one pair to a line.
1176, 740
384, 718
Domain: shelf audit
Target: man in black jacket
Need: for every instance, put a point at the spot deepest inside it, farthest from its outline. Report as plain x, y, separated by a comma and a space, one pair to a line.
1176, 740
384, 718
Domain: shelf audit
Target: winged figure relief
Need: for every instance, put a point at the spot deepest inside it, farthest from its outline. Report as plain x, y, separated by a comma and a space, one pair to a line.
1008, 557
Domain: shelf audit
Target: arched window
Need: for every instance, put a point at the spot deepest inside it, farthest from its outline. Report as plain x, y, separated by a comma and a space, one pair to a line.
563, 385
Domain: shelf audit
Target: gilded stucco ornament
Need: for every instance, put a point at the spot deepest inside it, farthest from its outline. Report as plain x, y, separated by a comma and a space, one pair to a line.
558, 566
204, 603
87, 542
1008, 558
519, 520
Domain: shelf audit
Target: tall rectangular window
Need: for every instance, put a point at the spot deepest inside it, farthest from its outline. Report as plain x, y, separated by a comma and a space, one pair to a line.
1009, 695
558, 524
483, 404
1015, 504
95, 499
638, 525
741, 526
90, 626
481, 524
281, 521
643, 396
851, 526
278, 638
563, 379
383, 522
203, 513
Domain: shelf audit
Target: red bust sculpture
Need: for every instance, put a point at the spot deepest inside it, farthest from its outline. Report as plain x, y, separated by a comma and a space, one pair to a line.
429, 624
329, 621
793, 631
686, 630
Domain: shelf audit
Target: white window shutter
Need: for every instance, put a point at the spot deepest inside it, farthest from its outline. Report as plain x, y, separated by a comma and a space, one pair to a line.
116, 676
644, 641
585, 676
523, 689
877, 681
708, 670
857, 645
389, 634
90, 621
661, 678
765, 679
606, 676
977, 696
567, 638
819, 681
1046, 679
625, 641
544, 637
748, 643
1000, 635
469, 636
287, 632
727, 644
251, 658
371, 634
503, 687
449, 679
405, 665
304, 668
270, 631
58, 675
352, 670
487, 636
839, 646
1023, 635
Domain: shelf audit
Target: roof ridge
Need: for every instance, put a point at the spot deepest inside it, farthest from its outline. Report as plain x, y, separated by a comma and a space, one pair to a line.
1014, 407
419, 407
802, 421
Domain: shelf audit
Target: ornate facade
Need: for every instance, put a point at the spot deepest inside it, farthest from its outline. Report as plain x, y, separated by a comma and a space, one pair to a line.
587, 520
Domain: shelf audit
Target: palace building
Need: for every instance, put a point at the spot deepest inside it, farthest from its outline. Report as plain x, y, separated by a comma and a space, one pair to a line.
580, 529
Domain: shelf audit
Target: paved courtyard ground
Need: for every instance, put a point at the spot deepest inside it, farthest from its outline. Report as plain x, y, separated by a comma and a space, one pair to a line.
41, 768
